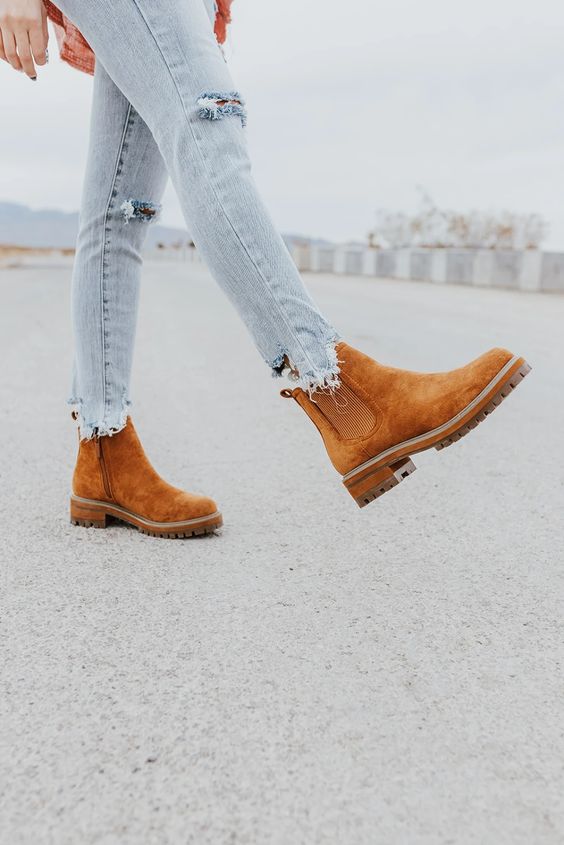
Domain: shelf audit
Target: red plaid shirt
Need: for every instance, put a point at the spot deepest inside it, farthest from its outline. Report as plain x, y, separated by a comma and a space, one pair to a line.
75, 50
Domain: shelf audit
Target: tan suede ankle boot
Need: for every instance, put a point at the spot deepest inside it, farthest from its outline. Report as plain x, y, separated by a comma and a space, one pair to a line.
113, 478
380, 415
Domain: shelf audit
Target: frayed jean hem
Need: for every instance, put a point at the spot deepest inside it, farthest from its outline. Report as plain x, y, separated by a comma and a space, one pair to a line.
89, 426
312, 378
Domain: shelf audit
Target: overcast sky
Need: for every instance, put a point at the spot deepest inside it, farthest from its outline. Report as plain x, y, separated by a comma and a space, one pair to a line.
351, 106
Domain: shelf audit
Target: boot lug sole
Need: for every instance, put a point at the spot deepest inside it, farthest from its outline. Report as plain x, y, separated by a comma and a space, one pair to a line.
377, 476
374, 484
97, 514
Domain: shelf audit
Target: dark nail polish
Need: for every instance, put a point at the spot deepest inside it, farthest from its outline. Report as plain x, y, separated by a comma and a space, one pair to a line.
33, 78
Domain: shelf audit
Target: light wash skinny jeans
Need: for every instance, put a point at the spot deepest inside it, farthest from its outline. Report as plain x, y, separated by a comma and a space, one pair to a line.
159, 72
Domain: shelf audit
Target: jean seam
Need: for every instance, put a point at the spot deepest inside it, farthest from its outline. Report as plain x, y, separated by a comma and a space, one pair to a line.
220, 202
106, 242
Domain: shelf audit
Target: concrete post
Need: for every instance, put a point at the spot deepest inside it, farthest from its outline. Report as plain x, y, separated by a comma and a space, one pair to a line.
530, 275
483, 268
339, 260
403, 264
439, 266
301, 255
369, 258
552, 274
314, 258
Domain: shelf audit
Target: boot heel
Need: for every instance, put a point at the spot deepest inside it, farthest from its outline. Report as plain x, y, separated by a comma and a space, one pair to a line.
87, 514
366, 486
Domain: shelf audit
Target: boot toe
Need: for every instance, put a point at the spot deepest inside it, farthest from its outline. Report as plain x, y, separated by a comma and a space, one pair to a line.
491, 362
192, 506
205, 507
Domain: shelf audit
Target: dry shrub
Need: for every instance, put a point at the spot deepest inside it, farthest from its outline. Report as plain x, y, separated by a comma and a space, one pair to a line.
431, 226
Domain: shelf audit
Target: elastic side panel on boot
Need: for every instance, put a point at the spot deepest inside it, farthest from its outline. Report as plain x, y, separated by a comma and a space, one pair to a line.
346, 412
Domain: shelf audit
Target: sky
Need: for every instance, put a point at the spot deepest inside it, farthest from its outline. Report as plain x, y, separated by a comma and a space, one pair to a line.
352, 106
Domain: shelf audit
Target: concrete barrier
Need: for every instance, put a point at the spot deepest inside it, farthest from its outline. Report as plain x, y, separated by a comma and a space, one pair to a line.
528, 270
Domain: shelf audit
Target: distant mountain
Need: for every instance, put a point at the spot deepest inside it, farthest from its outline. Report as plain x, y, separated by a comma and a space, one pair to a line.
22, 226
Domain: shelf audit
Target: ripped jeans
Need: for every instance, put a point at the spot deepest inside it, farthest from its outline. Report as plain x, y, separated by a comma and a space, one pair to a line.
164, 104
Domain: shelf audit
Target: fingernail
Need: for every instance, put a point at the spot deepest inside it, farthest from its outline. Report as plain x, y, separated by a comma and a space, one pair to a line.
33, 78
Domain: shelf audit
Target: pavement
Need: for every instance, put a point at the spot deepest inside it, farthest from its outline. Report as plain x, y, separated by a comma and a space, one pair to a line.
314, 673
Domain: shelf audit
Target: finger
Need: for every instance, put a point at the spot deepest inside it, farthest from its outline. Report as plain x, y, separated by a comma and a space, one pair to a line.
45, 30
10, 50
24, 52
38, 44
2, 53
44, 26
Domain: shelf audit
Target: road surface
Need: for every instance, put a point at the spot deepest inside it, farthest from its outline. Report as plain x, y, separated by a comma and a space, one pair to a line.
315, 673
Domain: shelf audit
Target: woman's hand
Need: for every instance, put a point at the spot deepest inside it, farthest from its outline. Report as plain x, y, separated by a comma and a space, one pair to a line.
23, 34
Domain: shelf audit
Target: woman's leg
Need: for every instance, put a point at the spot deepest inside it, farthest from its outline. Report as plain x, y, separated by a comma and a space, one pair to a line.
165, 59
125, 179
113, 478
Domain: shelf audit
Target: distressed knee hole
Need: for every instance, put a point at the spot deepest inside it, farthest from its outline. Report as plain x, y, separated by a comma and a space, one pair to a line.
140, 210
215, 105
